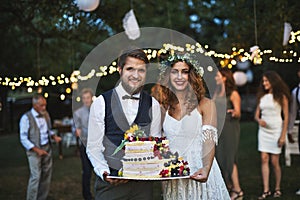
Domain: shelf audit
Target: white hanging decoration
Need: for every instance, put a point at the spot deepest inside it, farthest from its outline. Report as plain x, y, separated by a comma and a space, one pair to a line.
131, 26
240, 78
255, 56
88, 5
254, 50
286, 33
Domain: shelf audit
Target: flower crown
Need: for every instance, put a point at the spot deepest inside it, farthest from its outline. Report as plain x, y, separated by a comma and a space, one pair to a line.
187, 58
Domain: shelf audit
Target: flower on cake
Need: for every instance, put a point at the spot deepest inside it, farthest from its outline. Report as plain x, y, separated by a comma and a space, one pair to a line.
129, 136
134, 133
161, 148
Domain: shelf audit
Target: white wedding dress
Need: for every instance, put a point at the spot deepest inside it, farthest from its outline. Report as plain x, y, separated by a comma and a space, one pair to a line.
186, 137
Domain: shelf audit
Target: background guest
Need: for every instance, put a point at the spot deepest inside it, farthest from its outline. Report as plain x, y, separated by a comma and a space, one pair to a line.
294, 113
81, 119
35, 136
272, 98
227, 149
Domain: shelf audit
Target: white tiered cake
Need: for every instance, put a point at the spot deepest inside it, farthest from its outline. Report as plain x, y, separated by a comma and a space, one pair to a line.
149, 157
139, 160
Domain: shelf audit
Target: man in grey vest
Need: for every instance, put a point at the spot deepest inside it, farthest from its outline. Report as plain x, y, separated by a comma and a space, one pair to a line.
111, 114
35, 136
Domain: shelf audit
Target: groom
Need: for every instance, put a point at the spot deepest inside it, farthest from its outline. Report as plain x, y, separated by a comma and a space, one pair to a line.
111, 114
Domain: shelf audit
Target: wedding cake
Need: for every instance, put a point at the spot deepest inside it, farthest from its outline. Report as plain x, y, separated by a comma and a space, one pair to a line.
149, 157
140, 161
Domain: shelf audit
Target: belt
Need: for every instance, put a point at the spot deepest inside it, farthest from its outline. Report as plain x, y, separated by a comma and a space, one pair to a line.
44, 145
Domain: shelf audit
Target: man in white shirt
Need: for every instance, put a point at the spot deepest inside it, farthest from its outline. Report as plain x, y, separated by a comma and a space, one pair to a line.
111, 114
35, 136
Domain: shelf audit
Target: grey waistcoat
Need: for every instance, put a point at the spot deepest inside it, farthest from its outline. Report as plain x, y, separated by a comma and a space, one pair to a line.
34, 131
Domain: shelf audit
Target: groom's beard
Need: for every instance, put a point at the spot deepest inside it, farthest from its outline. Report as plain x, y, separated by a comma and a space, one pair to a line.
132, 90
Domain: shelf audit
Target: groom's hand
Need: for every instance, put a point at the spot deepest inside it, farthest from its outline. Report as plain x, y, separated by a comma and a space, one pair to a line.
201, 175
113, 181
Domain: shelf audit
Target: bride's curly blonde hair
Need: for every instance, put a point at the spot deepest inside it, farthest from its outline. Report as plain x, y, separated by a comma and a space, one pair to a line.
163, 93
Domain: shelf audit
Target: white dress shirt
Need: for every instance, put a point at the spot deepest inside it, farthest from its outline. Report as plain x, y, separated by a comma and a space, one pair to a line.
81, 121
96, 129
24, 127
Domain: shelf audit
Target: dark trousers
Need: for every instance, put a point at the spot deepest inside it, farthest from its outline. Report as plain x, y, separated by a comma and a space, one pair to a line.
299, 136
132, 190
87, 169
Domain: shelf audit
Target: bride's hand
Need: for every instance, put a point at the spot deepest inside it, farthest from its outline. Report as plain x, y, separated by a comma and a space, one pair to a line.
201, 175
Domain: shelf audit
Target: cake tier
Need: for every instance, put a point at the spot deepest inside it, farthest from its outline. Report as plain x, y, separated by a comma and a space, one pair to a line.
139, 147
141, 174
139, 157
144, 169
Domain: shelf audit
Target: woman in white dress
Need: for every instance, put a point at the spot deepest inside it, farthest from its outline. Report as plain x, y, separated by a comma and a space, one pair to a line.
190, 126
273, 97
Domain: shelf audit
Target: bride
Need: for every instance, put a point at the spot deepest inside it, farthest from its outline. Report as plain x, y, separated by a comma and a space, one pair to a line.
189, 124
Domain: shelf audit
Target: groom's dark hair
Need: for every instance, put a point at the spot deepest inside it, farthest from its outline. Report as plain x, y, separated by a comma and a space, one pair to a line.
135, 53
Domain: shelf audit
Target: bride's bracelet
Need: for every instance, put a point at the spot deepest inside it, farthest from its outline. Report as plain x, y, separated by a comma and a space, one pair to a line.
209, 133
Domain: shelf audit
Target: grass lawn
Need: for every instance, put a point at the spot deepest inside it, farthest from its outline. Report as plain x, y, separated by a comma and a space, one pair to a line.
66, 179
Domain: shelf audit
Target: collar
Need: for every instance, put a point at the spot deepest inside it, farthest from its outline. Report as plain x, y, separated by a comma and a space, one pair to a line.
121, 92
86, 107
34, 112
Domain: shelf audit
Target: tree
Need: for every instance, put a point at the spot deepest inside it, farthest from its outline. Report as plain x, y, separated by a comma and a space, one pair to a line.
44, 36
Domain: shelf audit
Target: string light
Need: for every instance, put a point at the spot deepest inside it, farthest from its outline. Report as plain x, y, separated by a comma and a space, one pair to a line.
228, 60
68, 90
294, 36
62, 97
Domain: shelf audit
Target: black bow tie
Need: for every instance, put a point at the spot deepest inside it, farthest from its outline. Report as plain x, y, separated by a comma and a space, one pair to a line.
130, 97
